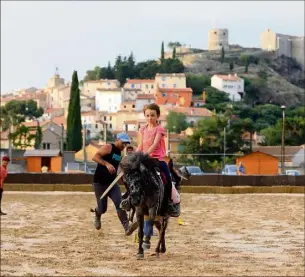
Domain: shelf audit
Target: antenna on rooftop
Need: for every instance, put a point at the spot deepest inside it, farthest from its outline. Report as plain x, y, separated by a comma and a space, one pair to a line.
56, 70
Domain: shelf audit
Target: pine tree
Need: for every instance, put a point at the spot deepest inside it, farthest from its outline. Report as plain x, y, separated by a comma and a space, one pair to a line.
174, 53
162, 52
74, 124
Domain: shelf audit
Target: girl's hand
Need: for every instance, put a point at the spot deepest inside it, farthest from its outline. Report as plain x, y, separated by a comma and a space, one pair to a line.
110, 168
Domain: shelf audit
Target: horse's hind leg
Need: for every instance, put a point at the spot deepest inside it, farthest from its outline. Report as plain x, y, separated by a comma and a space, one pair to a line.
165, 224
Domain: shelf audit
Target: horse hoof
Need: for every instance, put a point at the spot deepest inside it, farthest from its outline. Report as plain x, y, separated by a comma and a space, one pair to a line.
163, 250
146, 245
156, 254
140, 256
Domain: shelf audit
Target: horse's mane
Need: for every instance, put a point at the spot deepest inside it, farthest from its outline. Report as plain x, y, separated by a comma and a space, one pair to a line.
134, 160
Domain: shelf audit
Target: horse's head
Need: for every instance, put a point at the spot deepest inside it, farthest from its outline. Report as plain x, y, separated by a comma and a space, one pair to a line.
138, 175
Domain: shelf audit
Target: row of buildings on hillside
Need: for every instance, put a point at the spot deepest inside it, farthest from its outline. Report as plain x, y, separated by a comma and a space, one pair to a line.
107, 105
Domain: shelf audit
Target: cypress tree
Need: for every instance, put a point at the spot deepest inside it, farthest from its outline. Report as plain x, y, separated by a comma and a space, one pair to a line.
74, 124
38, 137
174, 53
162, 52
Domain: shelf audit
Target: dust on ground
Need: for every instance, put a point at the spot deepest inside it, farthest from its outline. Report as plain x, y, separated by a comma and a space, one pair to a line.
52, 233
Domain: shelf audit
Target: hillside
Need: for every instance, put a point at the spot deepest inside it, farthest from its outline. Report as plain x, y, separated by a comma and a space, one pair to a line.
284, 78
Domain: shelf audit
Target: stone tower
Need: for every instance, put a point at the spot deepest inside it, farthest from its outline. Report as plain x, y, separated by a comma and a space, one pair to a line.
217, 39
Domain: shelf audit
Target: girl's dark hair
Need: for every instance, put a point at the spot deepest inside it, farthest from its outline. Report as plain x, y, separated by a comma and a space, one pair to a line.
153, 107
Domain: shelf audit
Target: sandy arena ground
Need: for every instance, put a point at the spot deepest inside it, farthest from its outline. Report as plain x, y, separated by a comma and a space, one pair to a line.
251, 235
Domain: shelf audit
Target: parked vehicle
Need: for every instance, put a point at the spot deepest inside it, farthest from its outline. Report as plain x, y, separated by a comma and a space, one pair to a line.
191, 170
229, 169
292, 172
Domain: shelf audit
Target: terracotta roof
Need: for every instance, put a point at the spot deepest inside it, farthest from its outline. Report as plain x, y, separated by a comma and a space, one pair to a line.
130, 121
59, 120
290, 151
191, 111
228, 77
171, 74
128, 102
145, 96
132, 89
52, 110
102, 80
175, 90
109, 89
140, 81
88, 113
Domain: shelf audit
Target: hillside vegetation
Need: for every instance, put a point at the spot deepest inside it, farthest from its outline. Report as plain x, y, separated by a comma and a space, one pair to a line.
280, 79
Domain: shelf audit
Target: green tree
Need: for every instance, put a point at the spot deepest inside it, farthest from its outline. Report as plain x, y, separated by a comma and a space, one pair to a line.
174, 53
222, 55
38, 137
231, 66
176, 122
215, 96
147, 69
172, 66
197, 82
74, 124
174, 44
109, 74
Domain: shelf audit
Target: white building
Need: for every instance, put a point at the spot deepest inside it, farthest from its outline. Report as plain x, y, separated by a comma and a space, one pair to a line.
108, 100
231, 84
144, 99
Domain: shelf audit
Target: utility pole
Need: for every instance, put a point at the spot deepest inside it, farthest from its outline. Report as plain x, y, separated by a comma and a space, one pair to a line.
283, 141
84, 145
105, 132
224, 147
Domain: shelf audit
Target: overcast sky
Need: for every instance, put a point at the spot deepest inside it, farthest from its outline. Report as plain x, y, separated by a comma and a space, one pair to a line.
38, 36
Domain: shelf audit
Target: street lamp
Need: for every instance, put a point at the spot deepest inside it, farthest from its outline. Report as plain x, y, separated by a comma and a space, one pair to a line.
283, 141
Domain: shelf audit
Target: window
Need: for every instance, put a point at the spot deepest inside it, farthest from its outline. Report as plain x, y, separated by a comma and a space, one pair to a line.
163, 85
110, 118
105, 118
133, 106
132, 86
108, 84
125, 106
152, 86
175, 85
220, 44
96, 126
146, 86
46, 145
163, 94
215, 33
110, 126
163, 78
224, 34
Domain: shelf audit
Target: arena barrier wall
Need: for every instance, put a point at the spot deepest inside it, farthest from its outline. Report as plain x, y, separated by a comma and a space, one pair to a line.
195, 184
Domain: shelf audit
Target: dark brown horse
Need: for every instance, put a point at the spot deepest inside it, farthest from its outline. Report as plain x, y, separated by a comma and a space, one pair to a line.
146, 194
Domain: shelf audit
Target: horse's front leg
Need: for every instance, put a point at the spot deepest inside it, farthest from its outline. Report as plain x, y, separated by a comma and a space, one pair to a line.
140, 219
152, 215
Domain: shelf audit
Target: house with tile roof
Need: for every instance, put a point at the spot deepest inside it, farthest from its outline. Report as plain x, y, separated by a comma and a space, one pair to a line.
231, 84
